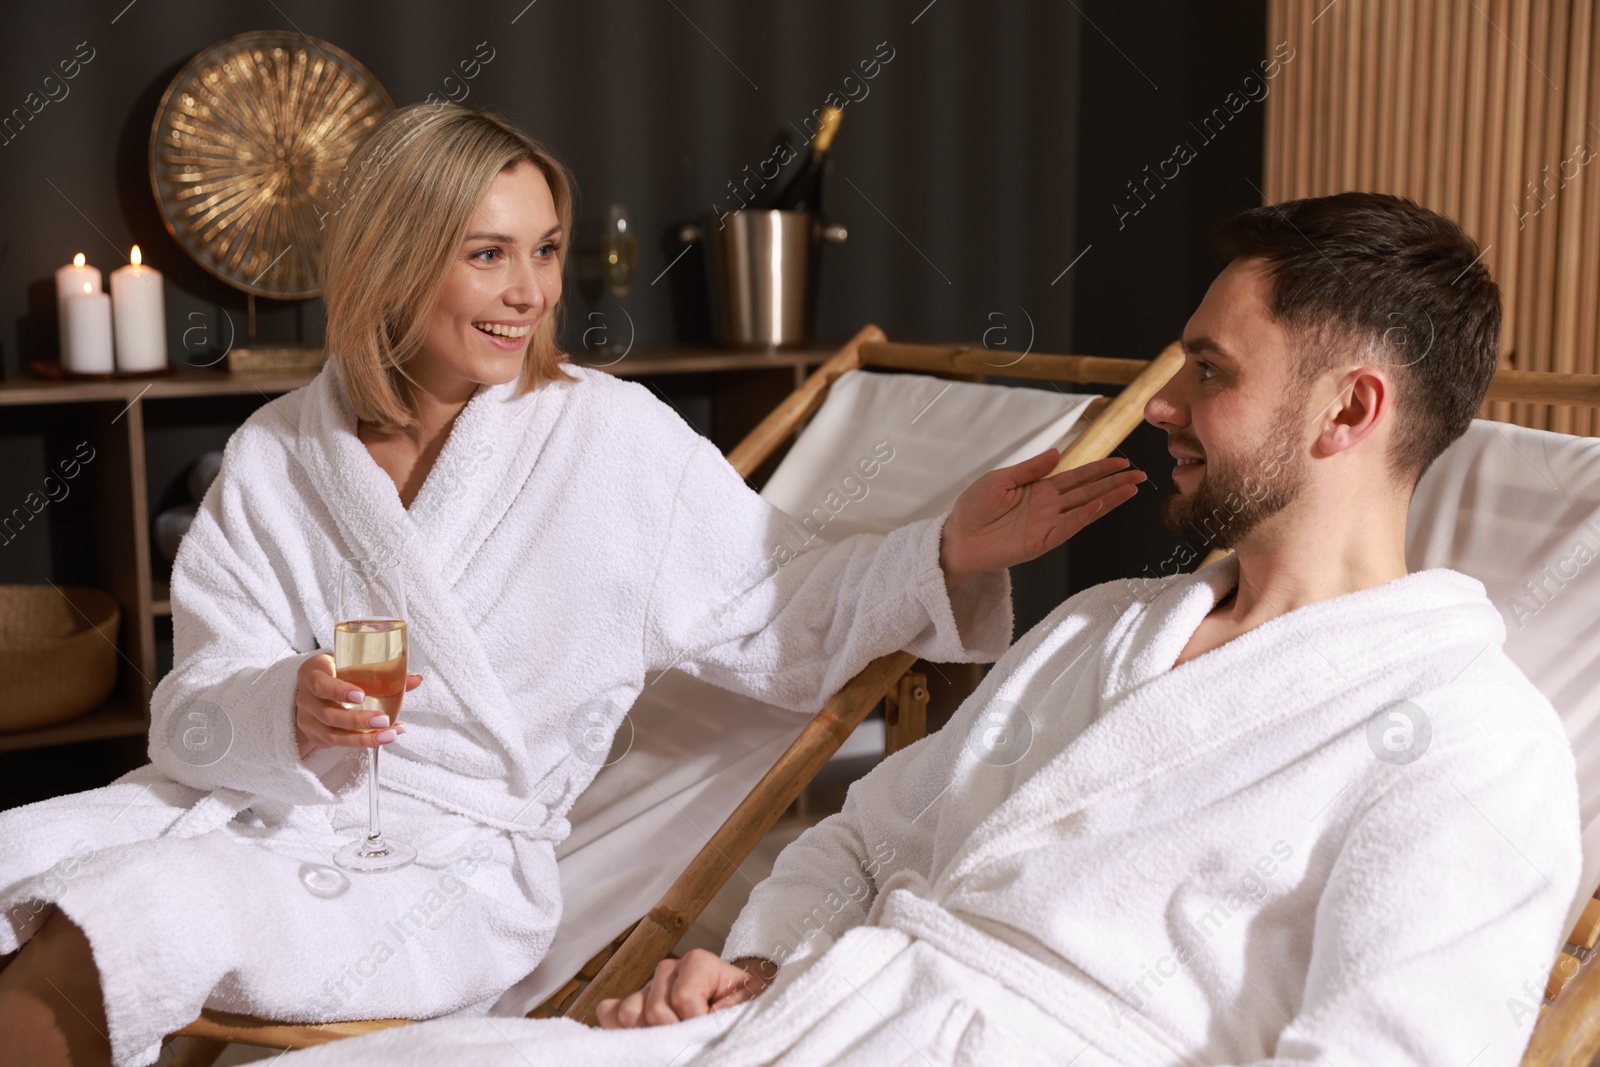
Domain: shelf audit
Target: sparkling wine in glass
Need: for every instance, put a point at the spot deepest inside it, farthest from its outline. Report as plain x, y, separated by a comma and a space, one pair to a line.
369, 652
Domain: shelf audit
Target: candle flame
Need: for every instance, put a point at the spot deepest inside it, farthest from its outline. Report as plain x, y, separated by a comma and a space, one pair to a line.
135, 257
78, 260
86, 286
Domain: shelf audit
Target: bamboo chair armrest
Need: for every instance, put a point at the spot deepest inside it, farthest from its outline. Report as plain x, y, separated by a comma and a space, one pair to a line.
1102, 436
653, 939
247, 1030
1546, 387
799, 405
1567, 1033
905, 712
965, 360
1586, 932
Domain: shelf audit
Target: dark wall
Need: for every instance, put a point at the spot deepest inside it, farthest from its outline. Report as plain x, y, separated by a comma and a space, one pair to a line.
953, 168
1150, 76
984, 157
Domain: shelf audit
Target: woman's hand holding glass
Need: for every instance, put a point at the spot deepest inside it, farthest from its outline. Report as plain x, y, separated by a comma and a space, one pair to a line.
323, 717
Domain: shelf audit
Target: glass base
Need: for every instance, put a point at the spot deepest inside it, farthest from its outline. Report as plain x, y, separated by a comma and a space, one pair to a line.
367, 855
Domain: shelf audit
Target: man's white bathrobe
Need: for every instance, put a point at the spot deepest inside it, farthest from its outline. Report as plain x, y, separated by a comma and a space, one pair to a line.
565, 545
1347, 837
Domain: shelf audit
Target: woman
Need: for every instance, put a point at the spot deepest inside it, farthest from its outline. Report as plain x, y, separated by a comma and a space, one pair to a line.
561, 533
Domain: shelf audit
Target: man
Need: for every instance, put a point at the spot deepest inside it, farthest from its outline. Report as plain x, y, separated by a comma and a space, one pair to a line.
1297, 807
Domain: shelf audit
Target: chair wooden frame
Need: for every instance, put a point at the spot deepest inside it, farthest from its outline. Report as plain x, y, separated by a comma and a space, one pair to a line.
628, 961
1567, 1033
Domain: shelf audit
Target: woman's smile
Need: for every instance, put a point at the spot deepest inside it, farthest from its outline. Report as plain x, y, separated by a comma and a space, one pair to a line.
505, 329
504, 336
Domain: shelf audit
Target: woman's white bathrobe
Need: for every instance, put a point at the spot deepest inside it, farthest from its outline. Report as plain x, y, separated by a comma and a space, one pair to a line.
1106, 859
565, 545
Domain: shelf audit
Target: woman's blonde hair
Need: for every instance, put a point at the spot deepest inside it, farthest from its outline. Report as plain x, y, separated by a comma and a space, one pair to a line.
395, 226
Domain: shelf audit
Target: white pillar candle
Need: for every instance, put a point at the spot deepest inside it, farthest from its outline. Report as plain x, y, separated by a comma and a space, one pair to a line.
70, 281
141, 316
88, 320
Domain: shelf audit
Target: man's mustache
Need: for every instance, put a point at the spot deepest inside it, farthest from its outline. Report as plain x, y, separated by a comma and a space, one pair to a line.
1189, 444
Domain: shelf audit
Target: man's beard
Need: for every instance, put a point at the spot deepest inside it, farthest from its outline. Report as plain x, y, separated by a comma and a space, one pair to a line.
1234, 498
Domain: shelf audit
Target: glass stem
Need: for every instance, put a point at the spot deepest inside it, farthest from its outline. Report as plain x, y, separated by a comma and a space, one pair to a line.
374, 835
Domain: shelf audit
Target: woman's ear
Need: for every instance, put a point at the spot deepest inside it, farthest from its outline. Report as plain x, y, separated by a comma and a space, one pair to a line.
1364, 400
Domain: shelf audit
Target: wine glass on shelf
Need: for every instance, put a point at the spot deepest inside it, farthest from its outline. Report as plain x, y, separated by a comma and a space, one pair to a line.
369, 652
619, 253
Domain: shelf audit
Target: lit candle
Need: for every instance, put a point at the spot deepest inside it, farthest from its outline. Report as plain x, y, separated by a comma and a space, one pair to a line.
70, 281
88, 320
141, 316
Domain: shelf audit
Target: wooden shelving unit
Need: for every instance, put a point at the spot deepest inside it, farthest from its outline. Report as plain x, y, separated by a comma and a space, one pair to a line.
118, 717
114, 416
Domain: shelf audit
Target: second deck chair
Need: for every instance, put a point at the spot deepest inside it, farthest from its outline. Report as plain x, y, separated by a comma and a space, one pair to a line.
685, 797
1519, 509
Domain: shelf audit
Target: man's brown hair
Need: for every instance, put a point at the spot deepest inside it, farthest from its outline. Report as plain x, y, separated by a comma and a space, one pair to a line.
1368, 278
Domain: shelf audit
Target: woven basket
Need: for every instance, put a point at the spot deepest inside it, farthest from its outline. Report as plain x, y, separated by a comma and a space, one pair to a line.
58, 653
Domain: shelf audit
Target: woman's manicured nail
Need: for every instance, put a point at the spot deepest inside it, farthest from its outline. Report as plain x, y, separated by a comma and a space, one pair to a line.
400, 729
378, 720
385, 737
355, 696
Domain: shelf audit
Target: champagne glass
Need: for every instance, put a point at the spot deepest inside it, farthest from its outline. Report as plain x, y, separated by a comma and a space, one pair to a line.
619, 254
369, 652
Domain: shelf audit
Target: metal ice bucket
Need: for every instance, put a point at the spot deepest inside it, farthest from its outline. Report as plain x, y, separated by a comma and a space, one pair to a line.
761, 269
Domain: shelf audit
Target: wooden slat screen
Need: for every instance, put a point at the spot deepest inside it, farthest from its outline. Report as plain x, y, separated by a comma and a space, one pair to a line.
1485, 110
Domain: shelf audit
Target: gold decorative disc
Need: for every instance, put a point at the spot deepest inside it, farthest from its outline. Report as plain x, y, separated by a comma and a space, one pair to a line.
248, 152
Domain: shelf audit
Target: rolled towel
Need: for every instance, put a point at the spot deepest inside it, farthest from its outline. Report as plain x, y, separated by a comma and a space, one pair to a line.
202, 474
171, 525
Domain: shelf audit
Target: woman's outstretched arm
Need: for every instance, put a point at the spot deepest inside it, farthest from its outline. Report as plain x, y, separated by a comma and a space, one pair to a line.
749, 599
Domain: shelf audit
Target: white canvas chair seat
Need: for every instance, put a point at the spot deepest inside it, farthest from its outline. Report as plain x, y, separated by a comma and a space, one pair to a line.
1519, 510
681, 771
944, 435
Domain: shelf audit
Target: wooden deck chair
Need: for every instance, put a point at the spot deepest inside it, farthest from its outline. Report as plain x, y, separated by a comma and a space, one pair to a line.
703, 794
1519, 510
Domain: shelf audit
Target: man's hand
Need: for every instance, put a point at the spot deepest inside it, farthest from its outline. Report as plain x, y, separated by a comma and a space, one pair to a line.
698, 984
1014, 514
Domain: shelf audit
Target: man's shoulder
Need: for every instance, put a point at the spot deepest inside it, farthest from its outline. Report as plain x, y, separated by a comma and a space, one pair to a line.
1492, 702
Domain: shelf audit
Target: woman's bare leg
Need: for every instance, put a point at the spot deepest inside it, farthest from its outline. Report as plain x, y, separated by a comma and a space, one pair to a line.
51, 1008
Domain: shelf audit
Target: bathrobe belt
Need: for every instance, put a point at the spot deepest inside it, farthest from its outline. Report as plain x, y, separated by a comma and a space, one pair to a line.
1076, 1001
902, 914
530, 818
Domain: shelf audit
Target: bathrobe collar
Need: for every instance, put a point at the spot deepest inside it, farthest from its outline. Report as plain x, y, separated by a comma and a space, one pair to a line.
1425, 628
491, 451
495, 433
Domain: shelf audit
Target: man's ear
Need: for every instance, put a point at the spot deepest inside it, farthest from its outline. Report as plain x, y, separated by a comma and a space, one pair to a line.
1363, 401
